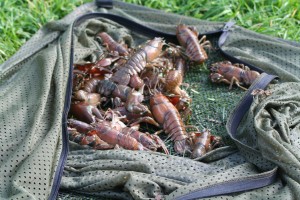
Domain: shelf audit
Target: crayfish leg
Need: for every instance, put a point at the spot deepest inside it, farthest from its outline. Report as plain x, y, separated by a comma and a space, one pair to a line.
234, 80
146, 119
181, 146
80, 126
203, 39
160, 143
242, 66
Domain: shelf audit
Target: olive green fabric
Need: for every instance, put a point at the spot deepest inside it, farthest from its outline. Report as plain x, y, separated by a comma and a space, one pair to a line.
33, 86
32, 95
273, 121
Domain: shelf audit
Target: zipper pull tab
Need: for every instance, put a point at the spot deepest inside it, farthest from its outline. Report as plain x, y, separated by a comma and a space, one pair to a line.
225, 33
228, 25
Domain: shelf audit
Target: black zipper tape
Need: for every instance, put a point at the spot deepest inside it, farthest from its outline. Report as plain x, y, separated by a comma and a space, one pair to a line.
65, 138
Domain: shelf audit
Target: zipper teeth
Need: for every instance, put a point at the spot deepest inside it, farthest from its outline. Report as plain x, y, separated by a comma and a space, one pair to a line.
65, 140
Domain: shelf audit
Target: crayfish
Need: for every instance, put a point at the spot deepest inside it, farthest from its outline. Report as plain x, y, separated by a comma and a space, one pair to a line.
188, 38
229, 73
203, 142
138, 61
112, 45
168, 117
130, 88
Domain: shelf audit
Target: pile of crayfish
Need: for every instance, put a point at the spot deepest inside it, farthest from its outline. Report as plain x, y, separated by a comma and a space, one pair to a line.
128, 87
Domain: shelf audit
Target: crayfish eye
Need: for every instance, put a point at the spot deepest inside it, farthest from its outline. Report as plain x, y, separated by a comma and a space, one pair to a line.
214, 68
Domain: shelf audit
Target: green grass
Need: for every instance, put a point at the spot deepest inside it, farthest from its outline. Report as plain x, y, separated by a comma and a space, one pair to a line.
20, 19
274, 17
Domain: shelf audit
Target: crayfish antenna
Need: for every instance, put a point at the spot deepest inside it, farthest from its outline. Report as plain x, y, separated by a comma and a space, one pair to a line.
155, 86
149, 90
180, 20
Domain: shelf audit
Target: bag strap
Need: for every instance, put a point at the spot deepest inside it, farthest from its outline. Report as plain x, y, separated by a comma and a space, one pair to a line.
246, 183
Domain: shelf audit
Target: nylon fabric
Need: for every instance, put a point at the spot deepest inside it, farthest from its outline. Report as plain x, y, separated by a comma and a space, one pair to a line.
33, 87
31, 107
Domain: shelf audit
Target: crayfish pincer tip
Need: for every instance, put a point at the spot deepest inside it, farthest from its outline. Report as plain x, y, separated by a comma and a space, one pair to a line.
142, 148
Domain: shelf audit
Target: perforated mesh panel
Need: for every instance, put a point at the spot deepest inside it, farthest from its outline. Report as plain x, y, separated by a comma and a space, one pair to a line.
31, 103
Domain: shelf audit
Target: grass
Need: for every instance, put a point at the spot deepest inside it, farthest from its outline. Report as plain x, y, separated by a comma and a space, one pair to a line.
277, 18
20, 19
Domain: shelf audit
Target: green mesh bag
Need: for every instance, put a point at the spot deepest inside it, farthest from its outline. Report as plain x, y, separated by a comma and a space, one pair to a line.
261, 158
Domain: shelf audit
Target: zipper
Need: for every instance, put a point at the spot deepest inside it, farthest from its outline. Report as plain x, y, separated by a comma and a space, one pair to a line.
65, 139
